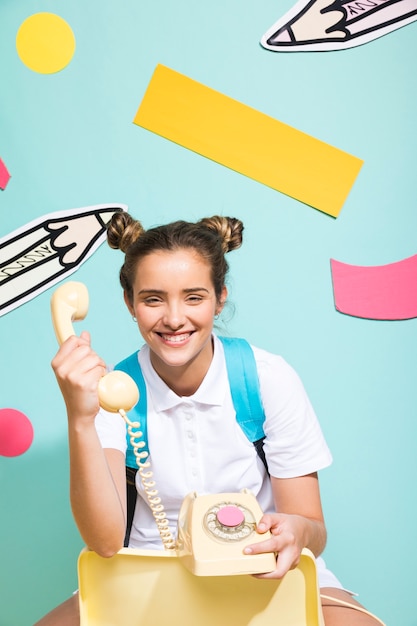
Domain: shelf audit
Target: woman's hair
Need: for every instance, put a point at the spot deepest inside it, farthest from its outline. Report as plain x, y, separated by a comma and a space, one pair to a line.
211, 237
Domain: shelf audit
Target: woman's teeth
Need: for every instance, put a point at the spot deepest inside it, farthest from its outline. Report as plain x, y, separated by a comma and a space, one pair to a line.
175, 338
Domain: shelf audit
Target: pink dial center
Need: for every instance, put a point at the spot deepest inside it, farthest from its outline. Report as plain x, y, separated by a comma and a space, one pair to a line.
230, 516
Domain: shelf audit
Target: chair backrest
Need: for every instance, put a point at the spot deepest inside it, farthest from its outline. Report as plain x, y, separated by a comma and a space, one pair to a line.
153, 588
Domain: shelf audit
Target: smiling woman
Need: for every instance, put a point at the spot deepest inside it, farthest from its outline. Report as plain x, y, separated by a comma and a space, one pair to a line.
174, 282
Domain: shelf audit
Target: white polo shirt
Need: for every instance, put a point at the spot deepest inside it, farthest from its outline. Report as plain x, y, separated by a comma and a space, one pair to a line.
197, 445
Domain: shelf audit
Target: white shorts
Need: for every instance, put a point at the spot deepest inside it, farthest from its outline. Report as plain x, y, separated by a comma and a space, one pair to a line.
326, 577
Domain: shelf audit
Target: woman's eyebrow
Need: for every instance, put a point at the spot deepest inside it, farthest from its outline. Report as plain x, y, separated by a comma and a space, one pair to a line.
157, 291
162, 292
194, 289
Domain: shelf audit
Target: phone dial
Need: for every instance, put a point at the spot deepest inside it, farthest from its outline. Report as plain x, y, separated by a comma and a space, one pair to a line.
213, 529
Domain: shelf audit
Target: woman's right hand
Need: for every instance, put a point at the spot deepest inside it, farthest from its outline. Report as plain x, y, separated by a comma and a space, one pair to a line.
78, 370
97, 475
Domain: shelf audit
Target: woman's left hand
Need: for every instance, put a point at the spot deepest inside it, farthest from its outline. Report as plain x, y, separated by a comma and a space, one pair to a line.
286, 541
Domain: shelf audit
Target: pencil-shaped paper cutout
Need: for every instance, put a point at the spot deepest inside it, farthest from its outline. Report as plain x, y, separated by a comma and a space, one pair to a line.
48, 249
337, 24
247, 141
4, 175
384, 292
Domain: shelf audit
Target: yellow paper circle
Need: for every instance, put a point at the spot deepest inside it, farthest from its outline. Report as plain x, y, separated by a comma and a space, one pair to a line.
45, 43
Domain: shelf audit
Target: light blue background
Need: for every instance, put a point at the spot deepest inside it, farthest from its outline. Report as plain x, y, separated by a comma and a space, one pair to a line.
69, 141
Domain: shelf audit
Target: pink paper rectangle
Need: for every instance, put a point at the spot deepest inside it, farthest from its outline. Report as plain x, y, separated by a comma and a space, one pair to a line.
385, 292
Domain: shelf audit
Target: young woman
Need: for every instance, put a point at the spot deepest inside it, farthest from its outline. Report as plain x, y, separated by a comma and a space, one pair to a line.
173, 280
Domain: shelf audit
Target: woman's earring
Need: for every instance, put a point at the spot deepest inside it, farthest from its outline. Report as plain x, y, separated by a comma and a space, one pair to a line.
134, 318
216, 317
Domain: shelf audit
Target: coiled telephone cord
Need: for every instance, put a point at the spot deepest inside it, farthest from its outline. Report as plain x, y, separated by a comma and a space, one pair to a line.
148, 483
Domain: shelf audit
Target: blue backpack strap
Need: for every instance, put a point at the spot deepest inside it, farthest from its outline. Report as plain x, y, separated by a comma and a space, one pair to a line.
244, 386
139, 412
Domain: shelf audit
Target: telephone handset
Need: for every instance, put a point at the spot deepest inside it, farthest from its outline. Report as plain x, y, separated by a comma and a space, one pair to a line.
212, 529
116, 390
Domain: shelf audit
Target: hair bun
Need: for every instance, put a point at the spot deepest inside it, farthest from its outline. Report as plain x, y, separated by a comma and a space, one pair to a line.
122, 231
229, 229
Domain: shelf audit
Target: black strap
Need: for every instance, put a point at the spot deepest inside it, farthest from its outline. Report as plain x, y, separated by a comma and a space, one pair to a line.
131, 494
259, 445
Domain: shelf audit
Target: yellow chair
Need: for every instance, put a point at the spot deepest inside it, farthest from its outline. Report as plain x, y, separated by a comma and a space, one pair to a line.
153, 588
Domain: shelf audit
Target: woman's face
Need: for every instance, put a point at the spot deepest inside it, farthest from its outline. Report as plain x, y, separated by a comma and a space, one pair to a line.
174, 303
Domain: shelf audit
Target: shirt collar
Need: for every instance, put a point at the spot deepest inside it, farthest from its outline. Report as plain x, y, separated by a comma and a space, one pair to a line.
211, 391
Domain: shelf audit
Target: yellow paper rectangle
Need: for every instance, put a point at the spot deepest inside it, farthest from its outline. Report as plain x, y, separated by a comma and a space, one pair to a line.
247, 141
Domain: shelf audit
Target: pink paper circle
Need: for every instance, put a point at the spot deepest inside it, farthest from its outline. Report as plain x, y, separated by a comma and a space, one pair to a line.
16, 432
